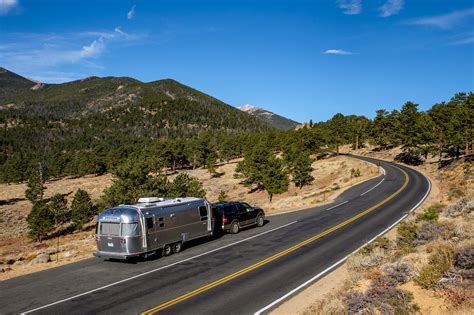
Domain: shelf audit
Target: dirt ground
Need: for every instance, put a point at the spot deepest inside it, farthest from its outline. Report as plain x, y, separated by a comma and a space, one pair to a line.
447, 184
18, 253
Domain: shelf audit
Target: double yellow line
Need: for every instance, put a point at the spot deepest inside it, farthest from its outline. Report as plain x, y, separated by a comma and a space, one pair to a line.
274, 257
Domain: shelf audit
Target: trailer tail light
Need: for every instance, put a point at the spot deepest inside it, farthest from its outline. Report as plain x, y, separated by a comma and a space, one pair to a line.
122, 240
97, 239
224, 220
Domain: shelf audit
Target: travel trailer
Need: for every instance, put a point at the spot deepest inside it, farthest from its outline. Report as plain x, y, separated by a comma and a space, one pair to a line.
153, 225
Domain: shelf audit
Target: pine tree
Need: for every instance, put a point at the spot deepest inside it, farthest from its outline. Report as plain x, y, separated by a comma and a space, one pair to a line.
222, 196
275, 179
186, 186
58, 206
40, 221
82, 208
36, 180
211, 161
298, 163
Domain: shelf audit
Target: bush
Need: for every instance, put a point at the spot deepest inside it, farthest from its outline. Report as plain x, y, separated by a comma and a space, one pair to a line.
361, 263
464, 258
40, 221
379, 242
440, 261
399, 272
427, 232
82, 209
381, 297
430, 215
406, 235
222, 196
461, 207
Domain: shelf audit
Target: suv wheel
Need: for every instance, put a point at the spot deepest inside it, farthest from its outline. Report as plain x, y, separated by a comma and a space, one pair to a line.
260, 220
234, 228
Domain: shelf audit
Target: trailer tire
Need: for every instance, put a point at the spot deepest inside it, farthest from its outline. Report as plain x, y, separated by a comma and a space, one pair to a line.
177, 247
234, 228
260, 220
167, 250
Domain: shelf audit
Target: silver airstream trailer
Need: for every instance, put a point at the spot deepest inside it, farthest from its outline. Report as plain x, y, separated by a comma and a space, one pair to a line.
152, 225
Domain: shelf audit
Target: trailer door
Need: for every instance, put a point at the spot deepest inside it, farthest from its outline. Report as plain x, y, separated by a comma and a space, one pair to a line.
205, 214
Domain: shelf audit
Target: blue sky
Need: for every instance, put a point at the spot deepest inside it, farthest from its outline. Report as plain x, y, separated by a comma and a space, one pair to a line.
302, 59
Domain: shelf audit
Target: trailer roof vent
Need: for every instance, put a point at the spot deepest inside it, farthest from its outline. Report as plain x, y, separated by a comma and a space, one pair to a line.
150, 199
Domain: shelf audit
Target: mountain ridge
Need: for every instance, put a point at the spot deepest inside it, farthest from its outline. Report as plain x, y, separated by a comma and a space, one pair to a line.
277, 121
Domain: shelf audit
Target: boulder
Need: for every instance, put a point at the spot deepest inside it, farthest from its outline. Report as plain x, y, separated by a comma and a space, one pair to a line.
41, 259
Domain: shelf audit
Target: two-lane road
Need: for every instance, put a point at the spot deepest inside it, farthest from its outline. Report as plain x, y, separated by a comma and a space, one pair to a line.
237, 274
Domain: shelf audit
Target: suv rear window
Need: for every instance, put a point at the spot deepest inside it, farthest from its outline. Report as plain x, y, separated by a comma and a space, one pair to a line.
228, 209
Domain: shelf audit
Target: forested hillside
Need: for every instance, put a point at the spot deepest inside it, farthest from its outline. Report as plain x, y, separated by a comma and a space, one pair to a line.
94, 125
86, 126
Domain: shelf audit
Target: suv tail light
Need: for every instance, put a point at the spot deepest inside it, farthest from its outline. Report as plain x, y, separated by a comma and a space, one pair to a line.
224, 219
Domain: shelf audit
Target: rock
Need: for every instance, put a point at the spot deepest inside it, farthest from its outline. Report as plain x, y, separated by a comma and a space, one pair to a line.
70, 253
40, 259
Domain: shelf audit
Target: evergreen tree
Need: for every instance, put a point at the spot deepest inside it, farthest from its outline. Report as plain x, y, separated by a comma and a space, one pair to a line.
275, 179
36, 180
222, 196
82, 208
211, 161
186, 186
58, 206
40, 221
298, 163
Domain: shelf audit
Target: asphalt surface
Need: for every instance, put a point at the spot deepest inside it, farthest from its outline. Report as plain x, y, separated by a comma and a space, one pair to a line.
110, 287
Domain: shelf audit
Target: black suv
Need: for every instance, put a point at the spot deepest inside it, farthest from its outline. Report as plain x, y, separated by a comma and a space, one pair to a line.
231, 216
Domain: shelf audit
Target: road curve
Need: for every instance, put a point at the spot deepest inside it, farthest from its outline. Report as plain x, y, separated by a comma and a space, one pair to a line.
250, 272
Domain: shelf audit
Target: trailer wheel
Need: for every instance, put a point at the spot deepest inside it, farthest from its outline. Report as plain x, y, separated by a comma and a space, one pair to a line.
234, 228
177, 247
260, 221
167, 250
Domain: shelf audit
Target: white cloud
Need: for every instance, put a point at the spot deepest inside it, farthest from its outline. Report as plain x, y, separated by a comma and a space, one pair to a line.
7, 5
350, 7
131, 13
337, 52
444, 21
36, 54
391, 7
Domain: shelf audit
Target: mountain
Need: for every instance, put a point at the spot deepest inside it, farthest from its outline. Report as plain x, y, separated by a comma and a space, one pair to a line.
102, 115
273, 119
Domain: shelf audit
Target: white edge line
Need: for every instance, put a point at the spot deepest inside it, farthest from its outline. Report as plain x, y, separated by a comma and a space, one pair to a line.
372, 187
339, 204
157, 269
277, 301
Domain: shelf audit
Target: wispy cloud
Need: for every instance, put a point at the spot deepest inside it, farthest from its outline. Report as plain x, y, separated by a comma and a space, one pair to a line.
391, 7
337, 52
350, 7
7, 5
40, 55
444, 21
131, 13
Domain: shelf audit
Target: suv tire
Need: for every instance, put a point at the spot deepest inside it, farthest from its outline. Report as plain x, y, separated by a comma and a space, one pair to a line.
234, 228
260, 220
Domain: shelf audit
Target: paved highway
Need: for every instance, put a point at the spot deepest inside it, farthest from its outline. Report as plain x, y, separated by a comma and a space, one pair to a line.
251, 272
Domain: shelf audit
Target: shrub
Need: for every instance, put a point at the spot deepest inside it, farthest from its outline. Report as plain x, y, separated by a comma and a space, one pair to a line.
406, 235
379, 242
361, 263
464, 258
461, 207
427, 232
222, 196
439, 262
381, 297
399, 272
430, 215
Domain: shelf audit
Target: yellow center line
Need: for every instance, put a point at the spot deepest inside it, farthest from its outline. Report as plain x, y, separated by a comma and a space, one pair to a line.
275, 256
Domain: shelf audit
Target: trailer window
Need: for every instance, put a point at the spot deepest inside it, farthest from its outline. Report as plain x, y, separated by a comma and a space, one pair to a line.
149, 223
130, 229
203, 211
110, 228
